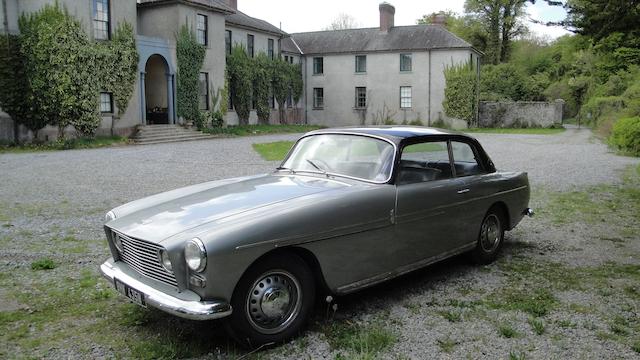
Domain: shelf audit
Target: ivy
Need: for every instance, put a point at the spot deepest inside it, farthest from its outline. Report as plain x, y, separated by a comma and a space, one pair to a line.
460, 92
240, 73
262, 87
297, 86
190, 56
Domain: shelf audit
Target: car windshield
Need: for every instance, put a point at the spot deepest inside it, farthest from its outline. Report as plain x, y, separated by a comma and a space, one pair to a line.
354, 156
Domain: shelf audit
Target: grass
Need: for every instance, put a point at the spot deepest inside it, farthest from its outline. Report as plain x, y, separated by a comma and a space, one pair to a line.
526, 131
507, 331
452, 316
252, 130
273, 151
447, 344
537, 325
82, 143
359, 341
43, 264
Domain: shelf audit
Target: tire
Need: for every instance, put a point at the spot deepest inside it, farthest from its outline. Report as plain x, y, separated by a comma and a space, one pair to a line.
490, 237
272, 301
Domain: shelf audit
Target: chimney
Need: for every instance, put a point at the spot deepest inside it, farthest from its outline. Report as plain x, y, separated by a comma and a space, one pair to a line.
440, 19
386, 16
233, 4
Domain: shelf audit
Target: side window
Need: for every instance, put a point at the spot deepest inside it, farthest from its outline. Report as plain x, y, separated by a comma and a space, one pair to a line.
424, 162
465, 160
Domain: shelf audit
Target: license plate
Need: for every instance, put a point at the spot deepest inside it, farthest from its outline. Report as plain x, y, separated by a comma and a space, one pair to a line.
134, 295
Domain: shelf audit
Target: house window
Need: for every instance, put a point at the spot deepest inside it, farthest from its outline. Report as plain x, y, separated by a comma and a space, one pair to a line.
361, 63
405, 97
227, 41
106, 103
318, 66
201, 30
361, 97
250, 45
101, 20
203, 91
290, 99
270, 49
405, 62
318, 98
291, 59
286, 58
272, 99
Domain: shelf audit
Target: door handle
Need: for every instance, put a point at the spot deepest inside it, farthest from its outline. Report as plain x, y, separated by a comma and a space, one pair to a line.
463, 191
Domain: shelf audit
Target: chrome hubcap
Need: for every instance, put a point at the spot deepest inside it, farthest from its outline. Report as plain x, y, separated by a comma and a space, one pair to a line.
274, 302
490, 233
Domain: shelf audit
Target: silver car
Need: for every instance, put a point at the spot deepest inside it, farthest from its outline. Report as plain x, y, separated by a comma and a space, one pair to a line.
347, 209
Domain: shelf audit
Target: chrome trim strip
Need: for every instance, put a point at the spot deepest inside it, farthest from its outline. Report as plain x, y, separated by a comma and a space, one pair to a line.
395, 152
194, 310
345, 289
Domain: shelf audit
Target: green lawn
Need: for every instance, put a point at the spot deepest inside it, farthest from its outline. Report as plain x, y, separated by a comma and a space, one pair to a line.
97, 142
250, 130
273, 151
527, 131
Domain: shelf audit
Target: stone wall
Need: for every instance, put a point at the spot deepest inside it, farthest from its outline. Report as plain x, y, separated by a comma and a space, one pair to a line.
520, 114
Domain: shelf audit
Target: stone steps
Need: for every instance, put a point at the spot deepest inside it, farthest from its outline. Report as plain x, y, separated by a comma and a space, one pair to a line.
157, 134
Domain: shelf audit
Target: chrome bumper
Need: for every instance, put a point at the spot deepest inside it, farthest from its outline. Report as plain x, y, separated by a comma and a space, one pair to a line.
529, 212
188, 309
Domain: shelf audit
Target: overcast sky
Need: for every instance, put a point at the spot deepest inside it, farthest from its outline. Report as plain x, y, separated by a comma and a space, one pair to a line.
304, 15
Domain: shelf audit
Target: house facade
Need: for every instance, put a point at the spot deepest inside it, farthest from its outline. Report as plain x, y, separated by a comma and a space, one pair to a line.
351, 77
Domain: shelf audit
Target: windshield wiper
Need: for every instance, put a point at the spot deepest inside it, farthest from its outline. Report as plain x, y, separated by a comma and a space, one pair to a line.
286, 168
316, 166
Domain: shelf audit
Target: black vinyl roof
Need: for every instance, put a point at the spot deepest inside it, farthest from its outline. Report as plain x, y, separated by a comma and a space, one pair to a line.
394, 133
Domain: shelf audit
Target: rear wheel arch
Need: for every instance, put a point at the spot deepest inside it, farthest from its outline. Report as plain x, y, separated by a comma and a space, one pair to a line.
504, 212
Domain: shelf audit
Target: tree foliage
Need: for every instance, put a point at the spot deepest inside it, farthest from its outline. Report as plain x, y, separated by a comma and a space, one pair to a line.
262, 87
460, 98
281, 82
342, 22
60, 67
240, 72
468, 27
190, 55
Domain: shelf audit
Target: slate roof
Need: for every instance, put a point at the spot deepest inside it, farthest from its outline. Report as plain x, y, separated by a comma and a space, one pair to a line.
288, 45
243, 20
414, 37
216, 5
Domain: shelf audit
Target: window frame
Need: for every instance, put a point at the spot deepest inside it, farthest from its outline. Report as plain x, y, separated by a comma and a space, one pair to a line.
228, 42
206, 94
318, 60
111, 110
318, 105
410, 97
360, 57
251, 45
410, 57
357, 97
202, 31
95, 19
476, 156
423, 140
270, 49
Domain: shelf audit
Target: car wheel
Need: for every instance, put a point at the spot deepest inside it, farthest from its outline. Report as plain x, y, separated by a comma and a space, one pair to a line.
272, 302
490, 237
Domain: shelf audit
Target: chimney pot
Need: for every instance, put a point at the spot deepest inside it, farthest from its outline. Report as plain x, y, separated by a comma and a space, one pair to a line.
387, 12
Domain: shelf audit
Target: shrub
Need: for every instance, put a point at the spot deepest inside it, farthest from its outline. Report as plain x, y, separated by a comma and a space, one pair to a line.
460, 98
597, 107
43, 264
240, 82
262, 87
281, 82
625, 135
190, 56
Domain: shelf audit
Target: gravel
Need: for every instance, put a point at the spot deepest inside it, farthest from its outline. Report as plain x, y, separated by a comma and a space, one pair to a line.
54, 194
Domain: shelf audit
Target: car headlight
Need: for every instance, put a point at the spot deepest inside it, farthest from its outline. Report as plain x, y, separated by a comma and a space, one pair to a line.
195, 255
165, 261
109, 216
117, 241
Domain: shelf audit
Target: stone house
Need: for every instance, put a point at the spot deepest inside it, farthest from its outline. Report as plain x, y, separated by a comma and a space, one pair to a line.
350, 76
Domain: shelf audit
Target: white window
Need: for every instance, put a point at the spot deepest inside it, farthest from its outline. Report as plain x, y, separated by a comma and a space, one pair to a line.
106, 103
405, 97
203, 90
318, 98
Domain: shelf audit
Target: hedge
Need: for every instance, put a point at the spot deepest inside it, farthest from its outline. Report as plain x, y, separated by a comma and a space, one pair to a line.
625, 135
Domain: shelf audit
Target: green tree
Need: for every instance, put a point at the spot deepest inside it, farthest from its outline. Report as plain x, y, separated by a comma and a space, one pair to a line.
460, 98
16, 97
281, 83
297, 84
262, 86
467, 27
190, 55
60, 67
240, 73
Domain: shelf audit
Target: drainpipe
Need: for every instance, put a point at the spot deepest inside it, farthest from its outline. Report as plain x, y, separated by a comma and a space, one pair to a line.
305, 82
429, 94
5, 20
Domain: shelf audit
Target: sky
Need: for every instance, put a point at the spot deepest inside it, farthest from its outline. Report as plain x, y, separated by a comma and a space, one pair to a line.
304, 15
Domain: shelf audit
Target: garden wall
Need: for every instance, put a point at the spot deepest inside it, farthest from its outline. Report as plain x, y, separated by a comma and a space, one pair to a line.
520, 114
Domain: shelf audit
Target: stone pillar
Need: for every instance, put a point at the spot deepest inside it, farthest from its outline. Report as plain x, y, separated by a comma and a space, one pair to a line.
170, 98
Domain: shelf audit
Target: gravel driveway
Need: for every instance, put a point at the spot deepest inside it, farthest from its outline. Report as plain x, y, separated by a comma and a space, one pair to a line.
49, 196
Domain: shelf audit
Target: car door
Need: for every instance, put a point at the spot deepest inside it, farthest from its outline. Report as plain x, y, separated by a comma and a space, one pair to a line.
427, 212
477, 189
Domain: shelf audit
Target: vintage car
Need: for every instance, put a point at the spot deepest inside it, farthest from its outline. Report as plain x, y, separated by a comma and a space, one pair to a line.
348, 208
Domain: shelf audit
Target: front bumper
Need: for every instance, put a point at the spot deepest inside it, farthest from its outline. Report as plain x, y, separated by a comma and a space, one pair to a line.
192, 308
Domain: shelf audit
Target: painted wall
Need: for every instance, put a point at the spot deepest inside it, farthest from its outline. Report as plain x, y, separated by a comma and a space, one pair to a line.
382, 80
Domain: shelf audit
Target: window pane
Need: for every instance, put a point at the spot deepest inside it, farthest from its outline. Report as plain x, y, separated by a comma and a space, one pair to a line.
405, 62
361, 97
105, 103
250, 45
318, 65
405, 96
203, 91
361, 63
318, 97
270, 48
227, 41
424, 162
101, 19
464, 159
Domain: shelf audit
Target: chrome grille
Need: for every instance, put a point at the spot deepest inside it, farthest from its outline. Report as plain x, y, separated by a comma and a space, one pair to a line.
142, 256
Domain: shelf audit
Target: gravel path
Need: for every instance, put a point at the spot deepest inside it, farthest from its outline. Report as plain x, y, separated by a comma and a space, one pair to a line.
54, 194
